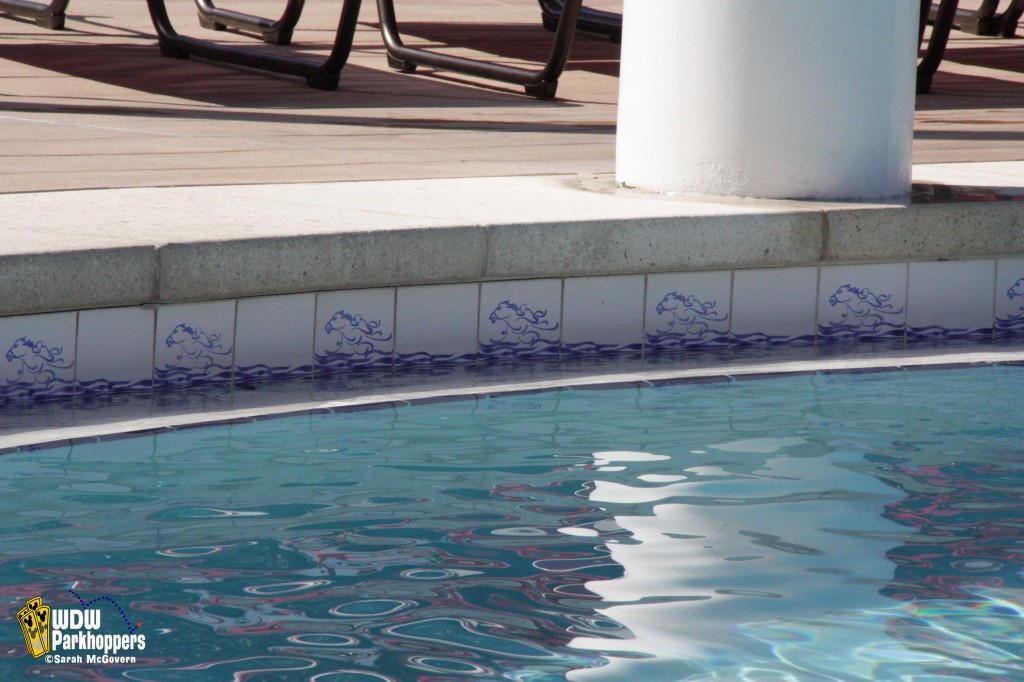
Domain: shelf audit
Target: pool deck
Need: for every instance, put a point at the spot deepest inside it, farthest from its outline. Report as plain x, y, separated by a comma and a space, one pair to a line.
132, 178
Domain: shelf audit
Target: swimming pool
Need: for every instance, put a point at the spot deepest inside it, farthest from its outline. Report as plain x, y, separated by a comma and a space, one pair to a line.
810, 527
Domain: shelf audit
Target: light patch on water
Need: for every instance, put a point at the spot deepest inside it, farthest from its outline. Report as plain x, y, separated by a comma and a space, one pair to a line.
686, 553
609, 491
579, 532
606, 457
760, 446
660, 478
519, 532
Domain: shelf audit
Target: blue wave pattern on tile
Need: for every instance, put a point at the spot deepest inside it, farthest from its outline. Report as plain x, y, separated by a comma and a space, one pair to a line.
357, 344
422, 358
762, 339
521, 332
940, 332
37, 366
692, 323
101, 386
594, 348
859, 313
1013, 323
261, 372
198, 360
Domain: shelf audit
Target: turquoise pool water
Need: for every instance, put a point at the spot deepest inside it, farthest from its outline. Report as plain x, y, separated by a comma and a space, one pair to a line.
812, 527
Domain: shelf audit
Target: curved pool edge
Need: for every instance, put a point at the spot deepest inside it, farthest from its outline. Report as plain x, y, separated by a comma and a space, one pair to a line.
59, 424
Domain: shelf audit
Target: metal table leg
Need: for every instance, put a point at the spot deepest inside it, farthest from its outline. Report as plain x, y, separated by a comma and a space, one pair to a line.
541, 84
593, 20
324, 75
275, 32
47, 16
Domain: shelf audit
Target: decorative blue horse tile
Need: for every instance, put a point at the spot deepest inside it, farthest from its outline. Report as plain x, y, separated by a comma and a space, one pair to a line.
115, 350
1010, 297
282, 350
951, 299
37, 357
194, 344
862, 302
688, 310
520, 319
354, 330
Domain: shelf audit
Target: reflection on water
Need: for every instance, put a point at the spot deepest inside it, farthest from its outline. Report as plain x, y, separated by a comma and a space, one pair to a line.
854, 527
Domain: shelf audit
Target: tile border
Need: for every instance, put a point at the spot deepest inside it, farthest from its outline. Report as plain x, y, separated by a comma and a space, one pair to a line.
392, 328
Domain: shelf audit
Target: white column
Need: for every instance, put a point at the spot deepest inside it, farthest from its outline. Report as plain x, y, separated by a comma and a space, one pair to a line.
800, 99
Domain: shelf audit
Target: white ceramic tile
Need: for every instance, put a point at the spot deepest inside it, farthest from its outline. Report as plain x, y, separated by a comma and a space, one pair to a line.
951, 299
274, 337
688, 310
195, 343
521, 318
436, 324
354, 330
774, 306
37, 356
862, 302
1010, 296
115, 350
603, 314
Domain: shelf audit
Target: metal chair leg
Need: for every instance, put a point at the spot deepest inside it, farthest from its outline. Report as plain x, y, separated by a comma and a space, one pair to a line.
987, 21
592, 20
1009, 19
324, 75
275, 32
937, 43
541, 84
982, 21
45, 15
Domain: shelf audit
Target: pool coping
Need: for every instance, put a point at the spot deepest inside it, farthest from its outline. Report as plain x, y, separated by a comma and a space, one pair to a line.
278, 401
90, 249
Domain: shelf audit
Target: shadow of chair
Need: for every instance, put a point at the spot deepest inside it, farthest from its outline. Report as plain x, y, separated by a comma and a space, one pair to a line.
561, 16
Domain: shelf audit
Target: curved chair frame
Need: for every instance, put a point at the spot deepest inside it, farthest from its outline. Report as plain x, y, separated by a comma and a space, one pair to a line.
323, 75
592, 20
987, 21
944, 17
1010, 18
275, 32
46, 15
562, 16
541, 84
